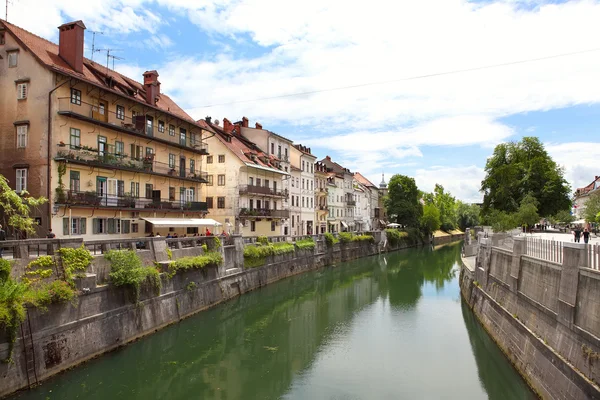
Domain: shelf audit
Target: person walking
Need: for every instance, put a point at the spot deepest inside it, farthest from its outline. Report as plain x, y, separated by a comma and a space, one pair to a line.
577, 233
586, 236
2, 238
50, 235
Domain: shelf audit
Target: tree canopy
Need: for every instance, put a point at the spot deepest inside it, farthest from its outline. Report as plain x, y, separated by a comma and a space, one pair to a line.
446, 204
591, 209
430, 221
402, 201
17, 206
517, 169
467, 215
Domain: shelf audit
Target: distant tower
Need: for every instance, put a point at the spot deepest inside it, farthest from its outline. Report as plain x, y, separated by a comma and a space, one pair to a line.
382, 185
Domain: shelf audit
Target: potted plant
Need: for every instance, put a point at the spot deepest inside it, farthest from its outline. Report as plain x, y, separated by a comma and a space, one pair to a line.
61, 144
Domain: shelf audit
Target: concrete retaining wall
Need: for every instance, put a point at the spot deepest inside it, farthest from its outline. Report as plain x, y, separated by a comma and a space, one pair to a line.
105, 318
544, 316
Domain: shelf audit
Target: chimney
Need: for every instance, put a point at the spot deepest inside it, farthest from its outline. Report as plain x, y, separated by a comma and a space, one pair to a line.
152, 86
227, 125
208, 119
244, 122
258, 126
70, 44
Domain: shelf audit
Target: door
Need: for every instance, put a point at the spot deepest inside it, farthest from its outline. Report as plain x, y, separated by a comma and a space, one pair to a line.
111, 192
182, 167
101, 145
101, 189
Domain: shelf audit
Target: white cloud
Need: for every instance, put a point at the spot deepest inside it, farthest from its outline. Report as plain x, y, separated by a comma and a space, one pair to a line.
580, 160
462, 182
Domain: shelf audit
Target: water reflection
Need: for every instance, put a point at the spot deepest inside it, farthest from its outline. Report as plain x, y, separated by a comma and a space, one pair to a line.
332, 333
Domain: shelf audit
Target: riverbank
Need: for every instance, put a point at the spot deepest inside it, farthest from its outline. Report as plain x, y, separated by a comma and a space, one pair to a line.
105, 319
527, 305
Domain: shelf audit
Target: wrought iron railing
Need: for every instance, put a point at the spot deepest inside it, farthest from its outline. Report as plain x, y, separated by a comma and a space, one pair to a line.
264, 212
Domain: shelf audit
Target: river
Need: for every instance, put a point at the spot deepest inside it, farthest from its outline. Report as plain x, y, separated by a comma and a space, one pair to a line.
384, 327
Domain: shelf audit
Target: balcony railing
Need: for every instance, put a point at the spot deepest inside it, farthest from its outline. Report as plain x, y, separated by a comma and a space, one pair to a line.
262, 190
134, 125
322, 208
264, 212
350, 202
93, 199
90, 156
322, 191
283, 157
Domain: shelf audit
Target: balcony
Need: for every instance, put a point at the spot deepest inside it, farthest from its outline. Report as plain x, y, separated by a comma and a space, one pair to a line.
262, 190
322, 191
322, 208
283, 157
134, 126
263, 212
350, 202
93, 199
109, 159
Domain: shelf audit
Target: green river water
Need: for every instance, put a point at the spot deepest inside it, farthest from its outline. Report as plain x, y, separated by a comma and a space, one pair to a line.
384, 327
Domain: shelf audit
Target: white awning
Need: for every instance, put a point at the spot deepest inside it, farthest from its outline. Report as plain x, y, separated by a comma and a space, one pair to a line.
173, 222
345, 225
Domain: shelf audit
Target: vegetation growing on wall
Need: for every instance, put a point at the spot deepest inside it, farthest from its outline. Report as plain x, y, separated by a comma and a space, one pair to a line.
347, 237
75, 261
12, 309
330, 239
126, 270
197, 262
254, 256
307, 243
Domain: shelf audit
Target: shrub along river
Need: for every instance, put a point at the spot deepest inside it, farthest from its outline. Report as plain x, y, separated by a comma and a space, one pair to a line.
384, 327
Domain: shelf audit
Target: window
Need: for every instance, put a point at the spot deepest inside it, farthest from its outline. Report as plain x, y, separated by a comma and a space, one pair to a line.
209, 159
171, 160
2, 40
148, 190
78, 226
75, 138
21, 91
267, 204
209, 179
252, 204
285, 150
220, 202
171, 130
279, 151
272, 148
135, 189
190, 195
136, 152
221, 180
272, 226
258, 181
74, 182
125, 224
75, 96
221, 158
133, 114
302, 201
161, 126
22, 136
149, 125
21, 180
182, 136
292, 201
101, 145
209, 202
120, 112
252, 226
302, 165
266, 183
13, 57
251, 181
135, 228
149, 151
302, 183
192, 166
119, 148
171, 194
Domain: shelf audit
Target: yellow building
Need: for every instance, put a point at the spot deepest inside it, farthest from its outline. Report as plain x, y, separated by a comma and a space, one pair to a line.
245, 190
107, 151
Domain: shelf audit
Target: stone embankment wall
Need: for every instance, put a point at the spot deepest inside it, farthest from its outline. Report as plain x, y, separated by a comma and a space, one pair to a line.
104, 318
544, 315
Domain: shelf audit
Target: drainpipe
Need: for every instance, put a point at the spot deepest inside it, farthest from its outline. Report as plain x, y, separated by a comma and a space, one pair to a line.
49, 172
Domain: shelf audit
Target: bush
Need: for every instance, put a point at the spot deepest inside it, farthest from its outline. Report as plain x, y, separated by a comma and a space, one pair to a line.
204, 247
345, 237
4, 269
126, 270
73, 260
48, 293
262, 240
185, 263
330, 239
307, 243
394, 236
254, 255
42, 262
363, 238
12, 310
169, 253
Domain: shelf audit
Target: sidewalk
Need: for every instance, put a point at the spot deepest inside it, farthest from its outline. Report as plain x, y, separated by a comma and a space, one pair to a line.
558, 236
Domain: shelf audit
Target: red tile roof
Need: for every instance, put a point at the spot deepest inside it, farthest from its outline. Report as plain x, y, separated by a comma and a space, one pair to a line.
46, 53
359, 177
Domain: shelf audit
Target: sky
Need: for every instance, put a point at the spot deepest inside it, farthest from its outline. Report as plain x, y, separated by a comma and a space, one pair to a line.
375, 85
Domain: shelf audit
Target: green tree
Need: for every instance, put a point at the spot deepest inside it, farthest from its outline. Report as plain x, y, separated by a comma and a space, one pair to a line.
592, 207
467, 215
516, 169
16, 207
402, 201
564, 216
446, 204
528, 212
501, 221
430, 221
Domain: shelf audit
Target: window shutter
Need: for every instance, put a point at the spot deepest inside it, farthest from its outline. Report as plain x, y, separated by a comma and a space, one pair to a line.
95, 227
66, 226
111, 225
82, 227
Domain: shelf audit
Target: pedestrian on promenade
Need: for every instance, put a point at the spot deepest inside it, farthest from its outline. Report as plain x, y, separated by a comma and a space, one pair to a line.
2, 238
577, 233
586, 235
50, 235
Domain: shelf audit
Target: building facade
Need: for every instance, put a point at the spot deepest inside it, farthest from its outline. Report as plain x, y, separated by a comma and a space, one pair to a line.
372, 192
321, 196
582, 195
302, 158
108, 152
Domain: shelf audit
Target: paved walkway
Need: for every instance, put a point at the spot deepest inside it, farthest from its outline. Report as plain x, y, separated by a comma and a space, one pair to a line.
558, 236
469, 262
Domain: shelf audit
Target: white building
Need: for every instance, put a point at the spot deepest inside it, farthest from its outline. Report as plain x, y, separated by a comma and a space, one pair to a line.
302, 158
581, 196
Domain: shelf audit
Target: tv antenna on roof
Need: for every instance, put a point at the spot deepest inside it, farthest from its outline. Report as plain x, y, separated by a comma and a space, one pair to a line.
113, 60
94, 41
108, 56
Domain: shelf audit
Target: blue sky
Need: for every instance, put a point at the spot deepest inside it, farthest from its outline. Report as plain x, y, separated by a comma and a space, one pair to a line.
230, 53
